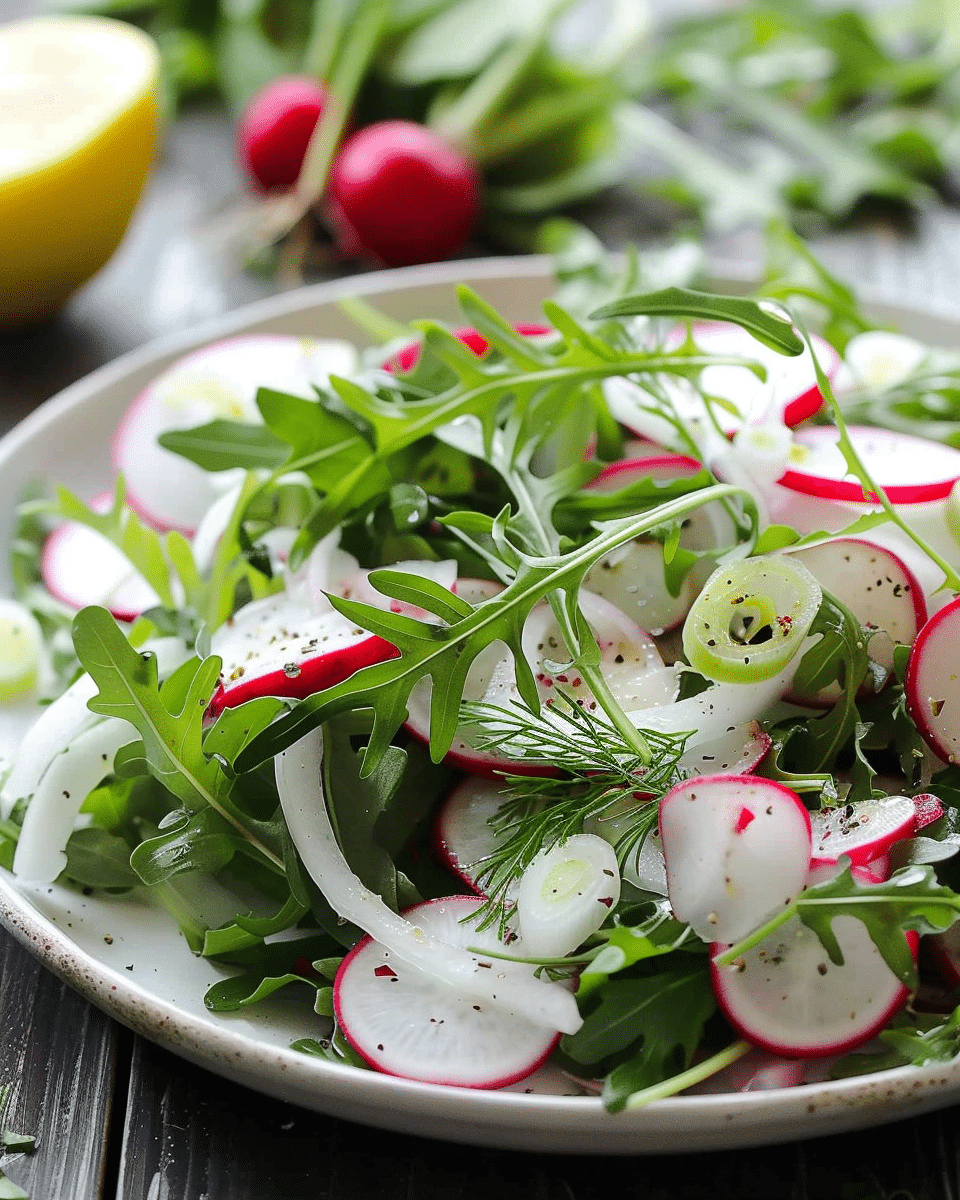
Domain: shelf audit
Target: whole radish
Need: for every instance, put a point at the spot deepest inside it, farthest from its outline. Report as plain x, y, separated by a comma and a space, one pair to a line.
275, 128
401, 194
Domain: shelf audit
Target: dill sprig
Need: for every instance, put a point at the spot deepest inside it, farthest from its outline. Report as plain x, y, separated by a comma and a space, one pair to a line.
595, 774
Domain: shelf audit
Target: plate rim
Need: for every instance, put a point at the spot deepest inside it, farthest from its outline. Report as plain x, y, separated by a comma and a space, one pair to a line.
566, 1124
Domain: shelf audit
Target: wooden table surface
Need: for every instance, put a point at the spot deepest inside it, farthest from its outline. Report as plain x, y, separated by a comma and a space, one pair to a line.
114, 1115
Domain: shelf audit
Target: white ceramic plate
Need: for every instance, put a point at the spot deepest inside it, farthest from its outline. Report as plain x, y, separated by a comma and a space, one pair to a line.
129, 958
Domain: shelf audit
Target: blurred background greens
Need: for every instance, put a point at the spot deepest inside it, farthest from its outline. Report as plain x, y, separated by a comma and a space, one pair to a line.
718, 119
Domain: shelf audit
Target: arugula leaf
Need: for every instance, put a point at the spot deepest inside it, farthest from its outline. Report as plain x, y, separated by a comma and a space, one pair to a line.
99, 859
839, 655
660, 1018
444, 653
173, 738
911, 899
771, 326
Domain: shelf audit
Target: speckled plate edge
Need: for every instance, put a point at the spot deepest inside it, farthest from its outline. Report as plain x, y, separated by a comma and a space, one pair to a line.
88, 410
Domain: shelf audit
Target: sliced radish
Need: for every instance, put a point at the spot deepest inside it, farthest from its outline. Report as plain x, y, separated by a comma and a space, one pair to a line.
704, 528
917, 475
861, 832
463, 836
737, 849
80, 567
739, 750
630, 663
786, 996
736, 752
910, 469
513, 989
790, 390
275, 647
404, 1023
632, 577
932, 684
218, 381
879, 589
566, 894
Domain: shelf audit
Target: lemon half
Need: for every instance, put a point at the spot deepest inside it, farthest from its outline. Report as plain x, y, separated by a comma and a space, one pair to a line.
79, 131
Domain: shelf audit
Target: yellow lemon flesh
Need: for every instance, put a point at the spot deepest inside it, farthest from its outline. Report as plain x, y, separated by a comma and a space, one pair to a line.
79, 129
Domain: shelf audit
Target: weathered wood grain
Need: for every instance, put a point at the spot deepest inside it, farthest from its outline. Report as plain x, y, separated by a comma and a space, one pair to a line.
59, 1060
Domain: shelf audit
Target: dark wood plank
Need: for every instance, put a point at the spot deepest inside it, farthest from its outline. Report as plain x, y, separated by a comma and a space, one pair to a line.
193, 1136
59, 1058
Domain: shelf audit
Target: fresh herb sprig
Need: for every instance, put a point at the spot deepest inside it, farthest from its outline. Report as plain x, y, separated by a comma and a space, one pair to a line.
600, 775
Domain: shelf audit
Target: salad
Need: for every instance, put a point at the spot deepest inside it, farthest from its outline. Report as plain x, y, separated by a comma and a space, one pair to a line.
580, 693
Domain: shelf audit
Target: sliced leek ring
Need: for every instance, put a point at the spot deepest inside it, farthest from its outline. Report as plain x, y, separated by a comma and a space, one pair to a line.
750, 619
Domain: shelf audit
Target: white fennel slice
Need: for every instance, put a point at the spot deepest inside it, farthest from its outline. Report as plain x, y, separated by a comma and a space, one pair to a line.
62, 721
405, 1023
52, 813
298, 773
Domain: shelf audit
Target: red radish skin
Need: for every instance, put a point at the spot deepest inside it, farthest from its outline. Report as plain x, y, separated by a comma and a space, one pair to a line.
274, 130
274, 648
927, 809
80, 567
787, 997
932, 684
403, 195
407, 358
403, 1023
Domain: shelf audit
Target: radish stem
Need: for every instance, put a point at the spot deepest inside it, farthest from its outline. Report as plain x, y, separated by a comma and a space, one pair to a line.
695, 1074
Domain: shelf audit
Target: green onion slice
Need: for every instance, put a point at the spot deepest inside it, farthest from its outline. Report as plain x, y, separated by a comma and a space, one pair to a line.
750, 619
